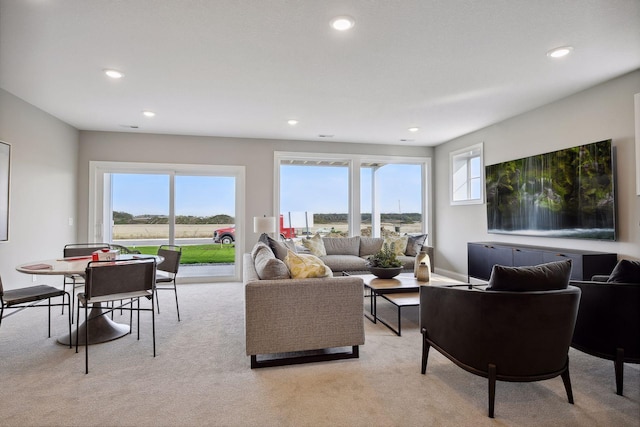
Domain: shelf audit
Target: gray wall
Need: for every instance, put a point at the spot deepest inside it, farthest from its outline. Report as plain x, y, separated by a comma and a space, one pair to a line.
255, 154
602, 112
44, 159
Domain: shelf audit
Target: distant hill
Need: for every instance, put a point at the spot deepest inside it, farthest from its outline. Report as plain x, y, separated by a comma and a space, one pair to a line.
318, 218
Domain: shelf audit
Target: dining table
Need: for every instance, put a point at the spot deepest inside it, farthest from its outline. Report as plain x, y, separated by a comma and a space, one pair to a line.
101, 328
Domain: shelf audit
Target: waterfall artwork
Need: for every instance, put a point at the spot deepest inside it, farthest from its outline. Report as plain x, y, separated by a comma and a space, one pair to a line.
566, 193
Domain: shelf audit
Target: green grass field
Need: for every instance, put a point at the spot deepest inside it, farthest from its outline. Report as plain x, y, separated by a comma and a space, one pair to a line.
199, 254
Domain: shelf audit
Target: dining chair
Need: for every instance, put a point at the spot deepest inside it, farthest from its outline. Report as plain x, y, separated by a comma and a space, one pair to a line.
78, 250
32, 296
117, 281
167, 272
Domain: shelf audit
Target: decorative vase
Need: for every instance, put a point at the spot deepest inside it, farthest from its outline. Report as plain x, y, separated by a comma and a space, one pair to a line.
424, 273
385, 273
422, 256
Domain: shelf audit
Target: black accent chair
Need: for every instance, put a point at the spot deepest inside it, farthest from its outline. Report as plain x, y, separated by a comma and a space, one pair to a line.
33, 296
500, 335
111, 281
608, 324
78, 250
167, 272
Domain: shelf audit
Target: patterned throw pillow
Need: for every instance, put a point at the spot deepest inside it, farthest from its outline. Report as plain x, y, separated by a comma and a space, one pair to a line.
303, 266
414, 244
400, 243
315, 245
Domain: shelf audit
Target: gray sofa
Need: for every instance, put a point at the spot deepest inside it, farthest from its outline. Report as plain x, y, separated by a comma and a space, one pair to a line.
301, 315
350, 254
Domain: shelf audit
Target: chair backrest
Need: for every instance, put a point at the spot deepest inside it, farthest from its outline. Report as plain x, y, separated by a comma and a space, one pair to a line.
119, 277
608, 319
82, 249
171, 255
522, 333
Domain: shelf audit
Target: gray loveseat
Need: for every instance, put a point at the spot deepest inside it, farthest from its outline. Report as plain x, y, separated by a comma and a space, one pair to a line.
295, 315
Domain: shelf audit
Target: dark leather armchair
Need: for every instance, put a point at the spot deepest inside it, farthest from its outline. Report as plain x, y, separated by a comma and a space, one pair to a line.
608, 324
499, 335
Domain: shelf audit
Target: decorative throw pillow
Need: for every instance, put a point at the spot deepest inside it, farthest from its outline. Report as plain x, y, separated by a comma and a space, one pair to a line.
543, 277
370, 245
257, 247
315, 245
267, 265
304, 266
414, 244
625, 271
280, 248
342, 245
399, 243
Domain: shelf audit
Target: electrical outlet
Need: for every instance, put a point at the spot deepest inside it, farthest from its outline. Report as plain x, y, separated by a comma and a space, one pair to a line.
70, 221
34, 277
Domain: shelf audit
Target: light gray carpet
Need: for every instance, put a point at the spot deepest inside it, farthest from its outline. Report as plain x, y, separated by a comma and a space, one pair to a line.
201, 376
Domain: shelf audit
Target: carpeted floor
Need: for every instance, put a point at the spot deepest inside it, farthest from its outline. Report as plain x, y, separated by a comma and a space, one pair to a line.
201, 376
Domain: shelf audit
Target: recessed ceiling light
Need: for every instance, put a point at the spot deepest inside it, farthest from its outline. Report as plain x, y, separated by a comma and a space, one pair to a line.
147, 113
292, 122
114, 74
342, 23
414, 129
560, 52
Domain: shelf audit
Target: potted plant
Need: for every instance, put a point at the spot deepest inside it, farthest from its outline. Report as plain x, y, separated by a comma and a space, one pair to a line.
385, 264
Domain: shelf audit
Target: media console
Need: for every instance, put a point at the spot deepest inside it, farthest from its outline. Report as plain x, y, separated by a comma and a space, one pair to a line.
482, 256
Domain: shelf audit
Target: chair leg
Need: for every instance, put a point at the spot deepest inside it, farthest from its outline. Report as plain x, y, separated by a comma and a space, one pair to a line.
77, 329
425, 351
86, 339
138, 301
566, 379
157, 300
49, 318
492, 388
70, 315
618, 366
153, 326
175, 290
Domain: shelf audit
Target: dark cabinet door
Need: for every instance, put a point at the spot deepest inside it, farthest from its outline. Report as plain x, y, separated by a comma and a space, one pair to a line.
526, 257
482, 257
576, 262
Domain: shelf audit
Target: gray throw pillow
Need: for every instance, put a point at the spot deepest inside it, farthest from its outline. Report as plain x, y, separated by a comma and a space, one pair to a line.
268, 266
280, 248
414, 244
543, 277
626, 271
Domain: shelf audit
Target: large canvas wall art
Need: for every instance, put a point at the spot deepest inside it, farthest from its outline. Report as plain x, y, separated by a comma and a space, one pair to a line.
566, 193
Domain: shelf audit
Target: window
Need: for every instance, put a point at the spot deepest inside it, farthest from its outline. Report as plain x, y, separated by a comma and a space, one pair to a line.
467, 177
352, 195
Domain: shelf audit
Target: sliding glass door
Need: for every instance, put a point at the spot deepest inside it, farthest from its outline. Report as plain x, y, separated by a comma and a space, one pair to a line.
144, 206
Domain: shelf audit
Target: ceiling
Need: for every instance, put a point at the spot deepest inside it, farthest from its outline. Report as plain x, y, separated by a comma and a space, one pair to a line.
242, 68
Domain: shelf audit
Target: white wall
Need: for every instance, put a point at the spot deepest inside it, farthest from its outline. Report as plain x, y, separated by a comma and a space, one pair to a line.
43, 191
255, 154
602, 112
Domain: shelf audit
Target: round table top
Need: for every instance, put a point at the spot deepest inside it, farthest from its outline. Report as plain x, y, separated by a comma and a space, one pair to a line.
71, 265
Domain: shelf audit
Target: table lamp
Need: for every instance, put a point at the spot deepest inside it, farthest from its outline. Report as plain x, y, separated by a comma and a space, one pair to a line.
264, 224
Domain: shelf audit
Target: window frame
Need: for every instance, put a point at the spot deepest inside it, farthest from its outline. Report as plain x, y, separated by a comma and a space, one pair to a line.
467, 154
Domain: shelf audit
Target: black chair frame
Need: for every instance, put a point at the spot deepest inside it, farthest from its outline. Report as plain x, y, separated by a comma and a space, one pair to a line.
171, 263
117, 290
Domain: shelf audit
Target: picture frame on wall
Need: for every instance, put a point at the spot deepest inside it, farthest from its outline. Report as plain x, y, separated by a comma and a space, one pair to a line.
5, 179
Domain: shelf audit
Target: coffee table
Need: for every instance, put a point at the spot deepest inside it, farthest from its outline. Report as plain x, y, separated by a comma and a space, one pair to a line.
401, 291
